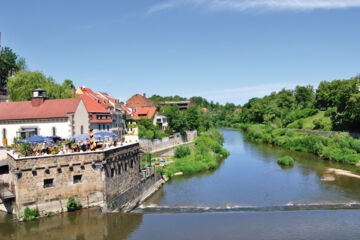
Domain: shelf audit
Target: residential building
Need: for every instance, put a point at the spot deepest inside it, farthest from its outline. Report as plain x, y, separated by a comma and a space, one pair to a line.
142, 107
105, 112
40, 116
162, 122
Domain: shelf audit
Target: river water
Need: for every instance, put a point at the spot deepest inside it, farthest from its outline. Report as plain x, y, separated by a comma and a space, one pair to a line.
248, 197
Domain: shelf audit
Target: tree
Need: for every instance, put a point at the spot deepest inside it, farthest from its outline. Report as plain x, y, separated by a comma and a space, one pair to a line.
23, 83
69, 84
193, 118
10, 64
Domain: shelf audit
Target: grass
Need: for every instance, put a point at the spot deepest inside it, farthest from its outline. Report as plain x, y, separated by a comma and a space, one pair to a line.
205, 155
308, 122
340, 147
286, 161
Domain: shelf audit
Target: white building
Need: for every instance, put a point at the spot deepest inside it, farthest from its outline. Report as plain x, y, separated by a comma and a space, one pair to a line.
58, 117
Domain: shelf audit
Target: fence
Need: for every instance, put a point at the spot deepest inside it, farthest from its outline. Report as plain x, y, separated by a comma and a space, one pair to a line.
168, 142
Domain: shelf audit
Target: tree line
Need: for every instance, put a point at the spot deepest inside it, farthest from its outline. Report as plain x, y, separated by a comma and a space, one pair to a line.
20, 82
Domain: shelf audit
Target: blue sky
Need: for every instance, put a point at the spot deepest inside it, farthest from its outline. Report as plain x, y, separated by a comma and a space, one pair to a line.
224, 50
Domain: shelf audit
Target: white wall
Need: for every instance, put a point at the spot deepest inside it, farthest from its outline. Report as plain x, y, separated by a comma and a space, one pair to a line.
81, 118
63, 129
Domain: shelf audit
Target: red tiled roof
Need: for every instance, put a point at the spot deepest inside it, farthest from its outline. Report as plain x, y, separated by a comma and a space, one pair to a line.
52, 108
92, 106
138, 100
147, 111
101, 100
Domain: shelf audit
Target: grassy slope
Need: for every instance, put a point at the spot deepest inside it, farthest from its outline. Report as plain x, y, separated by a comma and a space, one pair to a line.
308, 122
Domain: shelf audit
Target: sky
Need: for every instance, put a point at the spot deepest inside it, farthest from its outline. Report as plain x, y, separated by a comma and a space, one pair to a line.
223, 50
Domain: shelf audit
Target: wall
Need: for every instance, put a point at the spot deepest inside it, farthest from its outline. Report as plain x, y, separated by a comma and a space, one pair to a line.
81, 118
63, 128
28, 176
110, 179
159, 144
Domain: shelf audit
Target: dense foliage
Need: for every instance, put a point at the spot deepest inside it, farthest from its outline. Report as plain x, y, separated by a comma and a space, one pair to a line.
31, 214
157, 98
23, 83
205, 155
182, 151
339, 147
286, 161
10, 64
72, 204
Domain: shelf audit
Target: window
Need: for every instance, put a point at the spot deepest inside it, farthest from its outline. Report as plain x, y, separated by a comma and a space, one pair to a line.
54, 131
77, 179
48, 183
103, 126
99, 126
108, 127
82, 129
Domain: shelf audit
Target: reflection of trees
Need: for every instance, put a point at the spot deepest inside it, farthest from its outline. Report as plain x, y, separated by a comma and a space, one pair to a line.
307, 164
84, 224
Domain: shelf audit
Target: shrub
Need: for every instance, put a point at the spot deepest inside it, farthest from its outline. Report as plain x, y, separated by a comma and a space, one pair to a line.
182, 151
286, 161
31, 214
25, 149
72, 204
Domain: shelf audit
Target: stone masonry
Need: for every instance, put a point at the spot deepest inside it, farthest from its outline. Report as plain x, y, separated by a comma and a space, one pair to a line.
111, 179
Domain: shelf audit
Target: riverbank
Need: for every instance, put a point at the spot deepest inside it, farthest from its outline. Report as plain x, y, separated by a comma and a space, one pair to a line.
339, 148
206, 154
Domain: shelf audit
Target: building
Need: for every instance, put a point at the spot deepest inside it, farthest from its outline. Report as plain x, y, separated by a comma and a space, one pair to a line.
40, 116
111, 179
162, 122
142, 107
182, 105
105, 112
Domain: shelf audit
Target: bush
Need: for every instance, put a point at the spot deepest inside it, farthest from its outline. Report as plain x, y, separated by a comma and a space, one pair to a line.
25, 149
31, 214
72, 204
286, 161
182, 151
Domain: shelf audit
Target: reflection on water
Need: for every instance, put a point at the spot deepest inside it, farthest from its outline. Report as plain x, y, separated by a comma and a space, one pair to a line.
85, 224
250, 176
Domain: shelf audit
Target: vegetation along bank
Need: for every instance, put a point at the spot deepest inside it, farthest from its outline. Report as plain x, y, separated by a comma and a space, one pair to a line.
339, 147
206, 154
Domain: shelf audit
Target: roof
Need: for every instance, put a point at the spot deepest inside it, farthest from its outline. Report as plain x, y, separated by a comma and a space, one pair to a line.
138, 100
99, 98
147, 111
92, 106
51, 108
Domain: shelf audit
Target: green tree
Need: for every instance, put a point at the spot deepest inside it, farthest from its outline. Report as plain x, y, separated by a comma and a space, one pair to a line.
22, 84
10, 64
193, 118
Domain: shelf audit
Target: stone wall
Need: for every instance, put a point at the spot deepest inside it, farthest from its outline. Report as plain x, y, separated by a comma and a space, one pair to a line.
104, 178
160, 144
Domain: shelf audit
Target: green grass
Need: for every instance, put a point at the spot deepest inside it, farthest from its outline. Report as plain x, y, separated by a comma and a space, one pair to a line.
308, 122
205, 155
340, 147
286, 161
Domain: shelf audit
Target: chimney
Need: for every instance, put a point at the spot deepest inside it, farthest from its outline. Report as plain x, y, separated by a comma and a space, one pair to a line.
38, 97
144, 94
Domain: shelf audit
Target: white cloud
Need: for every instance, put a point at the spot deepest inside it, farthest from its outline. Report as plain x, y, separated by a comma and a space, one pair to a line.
161, 7
242, 5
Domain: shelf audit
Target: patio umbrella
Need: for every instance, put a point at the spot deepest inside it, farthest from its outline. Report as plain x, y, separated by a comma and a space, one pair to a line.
37, 139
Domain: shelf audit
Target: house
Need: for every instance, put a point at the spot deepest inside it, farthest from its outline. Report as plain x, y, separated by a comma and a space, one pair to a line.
182, 105
162, 122
142, 107
105, 112
40, 116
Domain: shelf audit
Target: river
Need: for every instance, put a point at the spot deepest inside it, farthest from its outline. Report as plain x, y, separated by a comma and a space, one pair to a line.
248, 197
